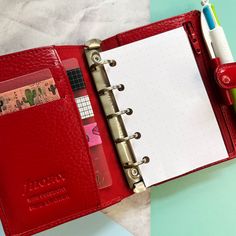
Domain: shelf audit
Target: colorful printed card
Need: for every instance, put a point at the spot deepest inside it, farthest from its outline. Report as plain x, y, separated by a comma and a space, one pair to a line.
27, 91
91, 129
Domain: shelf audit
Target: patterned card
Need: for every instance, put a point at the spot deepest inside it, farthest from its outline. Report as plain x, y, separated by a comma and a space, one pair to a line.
28, 96
99, 161
84, 106
92, 134
76, 79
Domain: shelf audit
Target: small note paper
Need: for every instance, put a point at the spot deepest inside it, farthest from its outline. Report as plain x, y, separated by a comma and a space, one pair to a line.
171, 107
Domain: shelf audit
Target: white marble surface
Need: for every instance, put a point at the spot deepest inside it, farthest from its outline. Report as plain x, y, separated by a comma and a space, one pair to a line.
33, 23
133, 213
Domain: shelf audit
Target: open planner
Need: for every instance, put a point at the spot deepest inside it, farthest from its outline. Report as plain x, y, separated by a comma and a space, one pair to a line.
85, 126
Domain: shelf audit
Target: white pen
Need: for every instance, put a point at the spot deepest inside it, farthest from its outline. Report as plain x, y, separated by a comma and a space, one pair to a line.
216, 40
217, 36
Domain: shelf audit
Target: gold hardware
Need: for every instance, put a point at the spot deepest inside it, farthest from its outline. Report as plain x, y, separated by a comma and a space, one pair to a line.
138, 163
136, 135
127, 111
112, 112
119, 87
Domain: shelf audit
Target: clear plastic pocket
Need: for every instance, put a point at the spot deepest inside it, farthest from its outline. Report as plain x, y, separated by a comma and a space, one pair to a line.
45, 165
27, 91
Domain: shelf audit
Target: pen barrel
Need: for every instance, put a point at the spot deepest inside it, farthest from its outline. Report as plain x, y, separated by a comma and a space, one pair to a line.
220, 45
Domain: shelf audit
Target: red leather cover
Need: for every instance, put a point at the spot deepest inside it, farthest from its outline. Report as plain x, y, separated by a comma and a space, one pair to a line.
46, 175
225, 78
226, 75
119, 188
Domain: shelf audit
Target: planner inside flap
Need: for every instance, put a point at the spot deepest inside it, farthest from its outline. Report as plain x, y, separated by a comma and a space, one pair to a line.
118, 187
46, 174
170, 86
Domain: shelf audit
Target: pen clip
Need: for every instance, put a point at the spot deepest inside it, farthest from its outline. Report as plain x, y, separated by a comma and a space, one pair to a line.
204, 2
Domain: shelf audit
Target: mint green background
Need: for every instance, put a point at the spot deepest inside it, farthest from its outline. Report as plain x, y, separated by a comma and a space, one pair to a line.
204, 203
96, 224
225, 9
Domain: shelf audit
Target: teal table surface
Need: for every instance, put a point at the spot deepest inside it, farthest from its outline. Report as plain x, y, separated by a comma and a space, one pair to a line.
203, 203
96, 224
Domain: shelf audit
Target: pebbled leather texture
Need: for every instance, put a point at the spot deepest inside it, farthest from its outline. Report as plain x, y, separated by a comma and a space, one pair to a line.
46, 175
151, 30
119, 188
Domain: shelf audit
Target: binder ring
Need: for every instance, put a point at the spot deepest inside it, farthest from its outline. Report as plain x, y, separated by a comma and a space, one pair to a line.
119, 87
96, 58
136, 135
127, 111
128, 165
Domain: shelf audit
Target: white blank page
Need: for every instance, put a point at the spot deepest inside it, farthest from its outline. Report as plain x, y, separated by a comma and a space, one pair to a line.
171, 108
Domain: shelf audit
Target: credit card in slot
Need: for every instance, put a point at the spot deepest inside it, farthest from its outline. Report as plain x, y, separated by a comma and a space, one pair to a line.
27, 91
76, 79
74, 74
84, 106
93, 135
102, 173
24, 80
99, 161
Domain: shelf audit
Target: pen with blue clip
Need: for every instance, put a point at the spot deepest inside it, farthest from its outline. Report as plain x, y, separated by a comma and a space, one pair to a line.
219, 42
218, 39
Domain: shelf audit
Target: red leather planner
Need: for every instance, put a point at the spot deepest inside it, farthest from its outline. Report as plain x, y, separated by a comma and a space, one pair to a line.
47, 172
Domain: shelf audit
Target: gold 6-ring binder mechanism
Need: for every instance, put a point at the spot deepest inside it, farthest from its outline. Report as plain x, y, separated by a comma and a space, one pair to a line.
114, 116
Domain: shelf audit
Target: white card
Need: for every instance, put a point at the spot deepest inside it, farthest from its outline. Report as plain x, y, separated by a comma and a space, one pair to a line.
171, 107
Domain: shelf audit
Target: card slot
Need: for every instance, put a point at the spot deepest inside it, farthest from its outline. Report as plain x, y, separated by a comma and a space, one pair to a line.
29, 61
34, 60
119, 188
45, 167
32, 109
